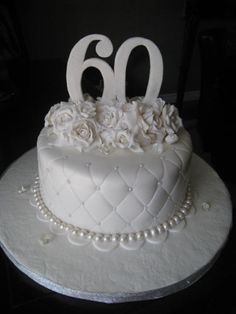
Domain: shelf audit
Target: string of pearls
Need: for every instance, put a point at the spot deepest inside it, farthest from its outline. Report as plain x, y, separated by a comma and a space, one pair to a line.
159, 229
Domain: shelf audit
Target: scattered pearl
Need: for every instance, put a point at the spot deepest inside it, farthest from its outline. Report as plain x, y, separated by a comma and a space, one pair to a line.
205, 206
46, 238
22, 189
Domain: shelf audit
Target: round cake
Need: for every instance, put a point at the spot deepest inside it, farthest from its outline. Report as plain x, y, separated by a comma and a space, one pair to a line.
114, 168
116, 193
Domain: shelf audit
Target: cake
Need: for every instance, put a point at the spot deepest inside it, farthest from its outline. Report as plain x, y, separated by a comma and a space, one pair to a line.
113, 171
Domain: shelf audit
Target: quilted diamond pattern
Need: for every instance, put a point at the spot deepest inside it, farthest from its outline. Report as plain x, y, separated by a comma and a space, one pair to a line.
98, 213
142, 219
158, 201
82, 215
130, 208
113, 223
122, 193
145, 195
114, 188
85, 190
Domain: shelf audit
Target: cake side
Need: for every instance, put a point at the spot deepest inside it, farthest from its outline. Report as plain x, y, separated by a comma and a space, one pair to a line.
117, 193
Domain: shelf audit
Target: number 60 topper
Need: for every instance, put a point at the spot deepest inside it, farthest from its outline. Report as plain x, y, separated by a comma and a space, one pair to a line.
114, 81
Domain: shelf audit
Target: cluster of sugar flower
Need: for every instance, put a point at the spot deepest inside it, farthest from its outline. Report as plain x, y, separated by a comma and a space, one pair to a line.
132, 125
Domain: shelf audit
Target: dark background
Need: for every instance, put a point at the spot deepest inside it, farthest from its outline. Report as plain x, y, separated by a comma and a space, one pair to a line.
197, 40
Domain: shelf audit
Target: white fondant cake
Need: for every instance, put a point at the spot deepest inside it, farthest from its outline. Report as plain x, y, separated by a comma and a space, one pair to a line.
117, 193
114, 167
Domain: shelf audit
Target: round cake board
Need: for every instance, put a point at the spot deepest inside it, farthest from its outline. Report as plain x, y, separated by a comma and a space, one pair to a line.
153, 271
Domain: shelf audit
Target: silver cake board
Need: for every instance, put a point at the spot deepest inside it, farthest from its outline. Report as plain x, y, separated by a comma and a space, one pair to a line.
153, 271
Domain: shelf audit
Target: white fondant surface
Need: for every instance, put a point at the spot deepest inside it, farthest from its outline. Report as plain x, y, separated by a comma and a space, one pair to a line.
120, 275
121, 192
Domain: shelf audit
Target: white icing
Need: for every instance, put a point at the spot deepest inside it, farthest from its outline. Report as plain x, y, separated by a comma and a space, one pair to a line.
113, 165
109, 241
120, 192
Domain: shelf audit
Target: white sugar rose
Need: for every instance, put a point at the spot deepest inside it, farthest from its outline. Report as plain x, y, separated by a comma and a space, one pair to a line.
171, 119
171, 138
108, 116
105, 149
83, 133
130, 106
158, 105
61, 117
129, 118
108, 137
107, 141
86, 109
124, 139
146, 116
145, 138
158, 121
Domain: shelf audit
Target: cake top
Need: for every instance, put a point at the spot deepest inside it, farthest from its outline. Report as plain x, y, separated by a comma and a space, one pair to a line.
113, 121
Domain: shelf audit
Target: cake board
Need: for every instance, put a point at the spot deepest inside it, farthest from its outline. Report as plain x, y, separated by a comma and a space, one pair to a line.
120, 275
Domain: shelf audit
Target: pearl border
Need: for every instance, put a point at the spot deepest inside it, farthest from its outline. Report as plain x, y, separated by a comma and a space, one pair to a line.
146, 234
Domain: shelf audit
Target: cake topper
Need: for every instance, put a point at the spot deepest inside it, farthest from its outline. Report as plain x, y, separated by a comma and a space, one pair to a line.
114, 81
